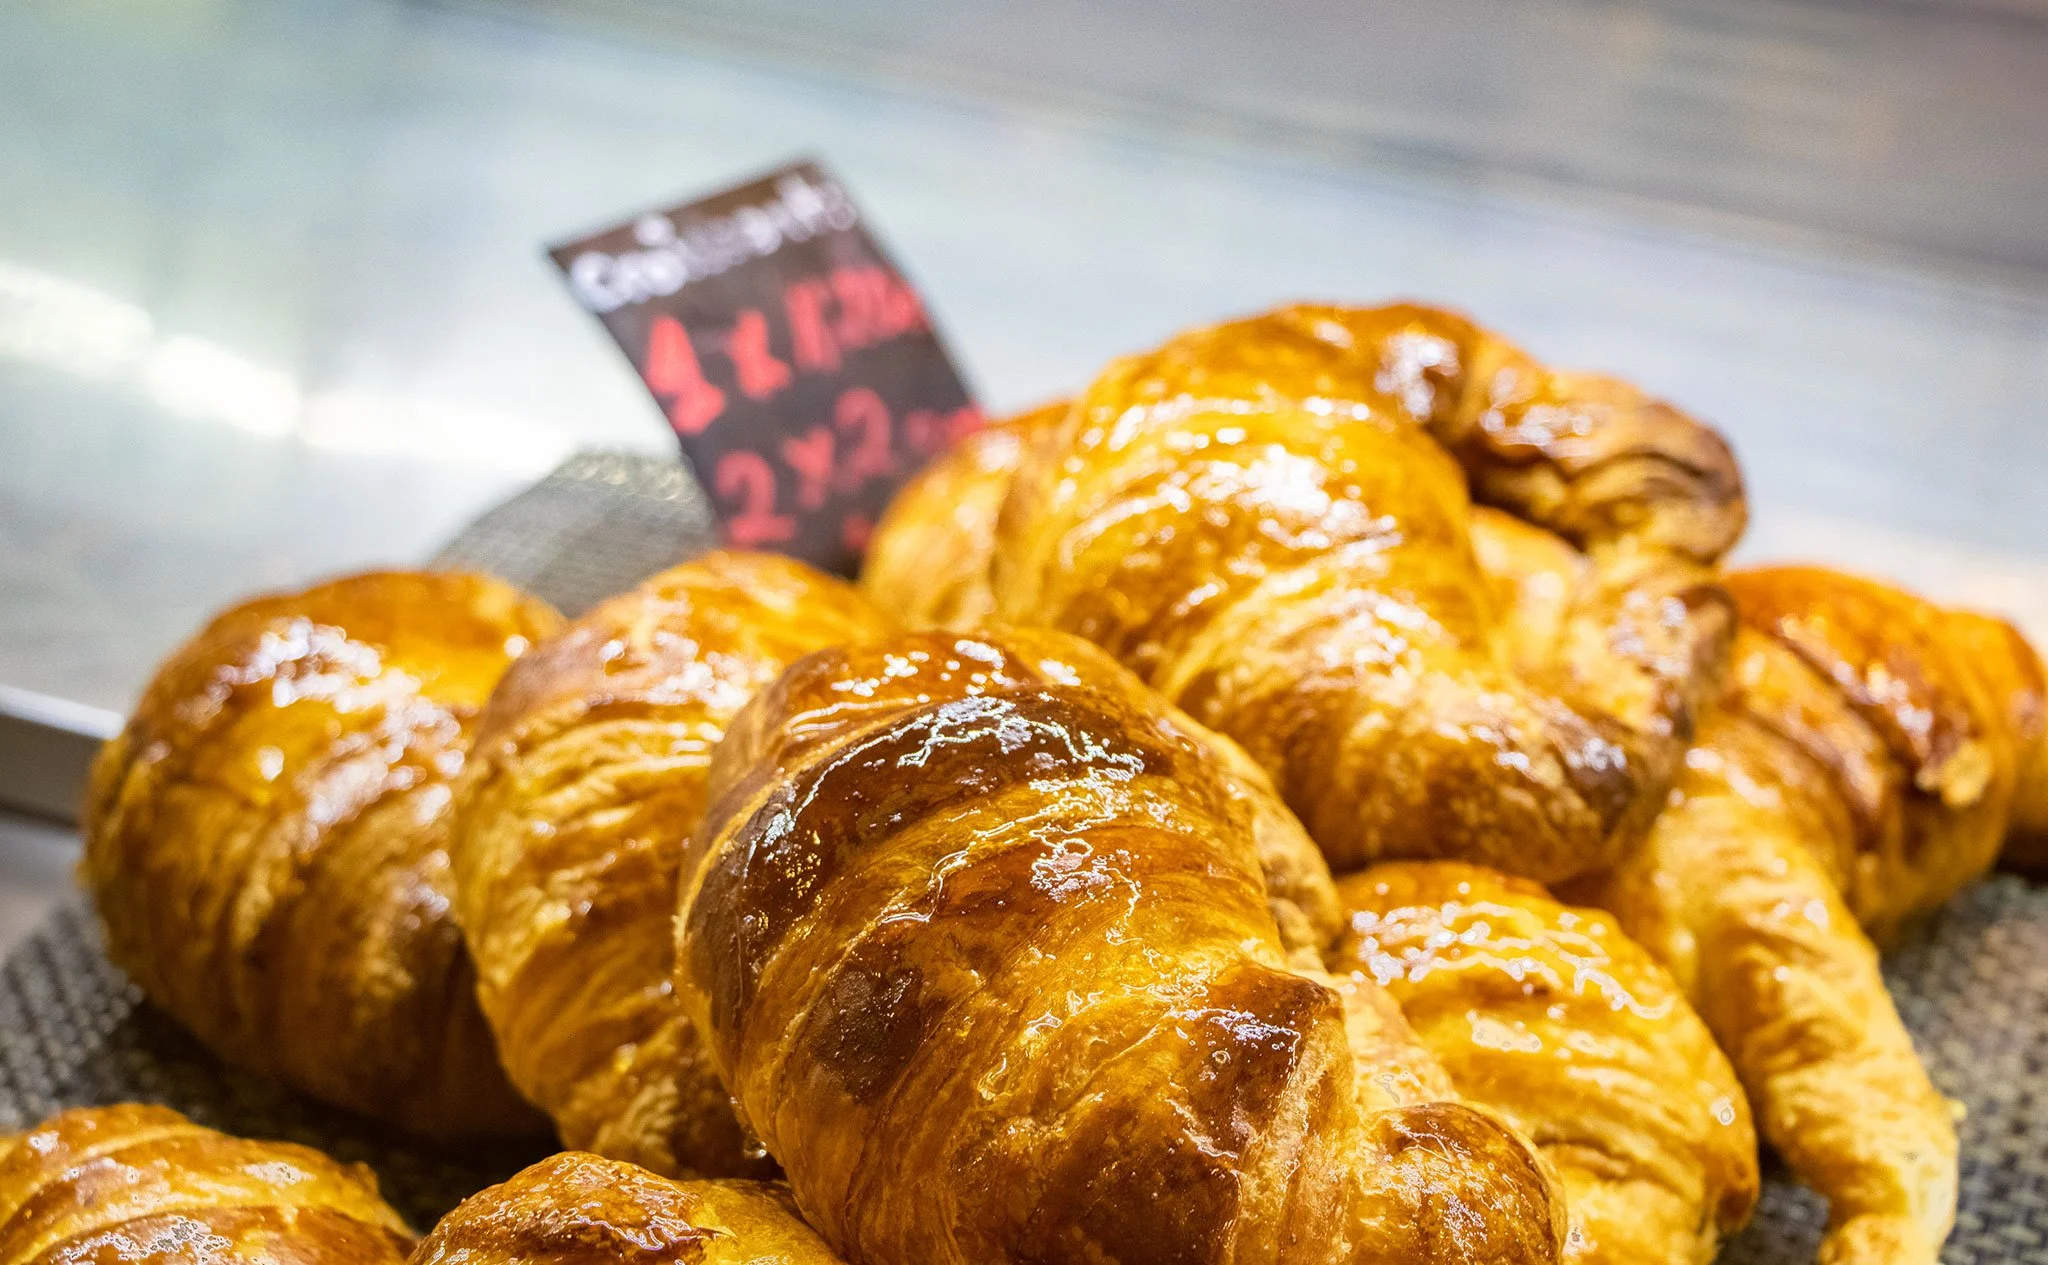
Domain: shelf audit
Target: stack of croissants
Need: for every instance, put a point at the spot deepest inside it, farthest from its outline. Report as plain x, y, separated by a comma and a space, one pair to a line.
1313, 797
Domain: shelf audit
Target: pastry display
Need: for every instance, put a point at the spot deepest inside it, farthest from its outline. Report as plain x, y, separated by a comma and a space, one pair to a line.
1315, 796
1891, 772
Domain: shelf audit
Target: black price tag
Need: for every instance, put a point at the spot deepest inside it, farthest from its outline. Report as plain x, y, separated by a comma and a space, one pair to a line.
796, 365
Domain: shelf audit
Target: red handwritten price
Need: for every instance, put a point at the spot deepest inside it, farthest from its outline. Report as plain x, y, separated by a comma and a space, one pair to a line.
677, 379
861, 415
854, 450
928, 433
810, 455
849, 309
746, 481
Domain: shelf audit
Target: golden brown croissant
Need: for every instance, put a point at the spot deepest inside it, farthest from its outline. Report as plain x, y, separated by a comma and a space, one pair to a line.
1863, 763
265, 840
143, 1184
1552, 1017
578, 1209
587, 778
1271, 522
978, 934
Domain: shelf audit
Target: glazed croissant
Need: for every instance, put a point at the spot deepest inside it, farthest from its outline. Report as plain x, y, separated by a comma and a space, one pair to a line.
978, 933
135, 1183
577, 1209
1865, 761
265, 841
586, 781
1271, 522
1553, 1018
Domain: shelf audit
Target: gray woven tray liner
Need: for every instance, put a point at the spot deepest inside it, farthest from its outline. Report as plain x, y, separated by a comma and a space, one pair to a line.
602, 522
1972, 984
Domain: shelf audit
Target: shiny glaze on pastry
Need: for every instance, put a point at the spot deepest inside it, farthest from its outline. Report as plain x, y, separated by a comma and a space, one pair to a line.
1551, 1016
979, 935
588, 776
1864, 762
265, 840
1271, 522
143, 1185
1927, 720
578, 1209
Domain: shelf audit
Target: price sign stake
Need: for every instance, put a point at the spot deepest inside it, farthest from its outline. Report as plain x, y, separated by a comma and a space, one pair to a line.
797, 367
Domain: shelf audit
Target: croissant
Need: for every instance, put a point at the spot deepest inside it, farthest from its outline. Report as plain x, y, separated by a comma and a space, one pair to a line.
264, 841
586, 779
1271, 522
928, 558
978, 933
1864, 762
136, 1183
1550, 1016
578, 1209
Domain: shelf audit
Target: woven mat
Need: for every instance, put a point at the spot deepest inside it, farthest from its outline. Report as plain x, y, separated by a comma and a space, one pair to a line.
601, 523
1972, 983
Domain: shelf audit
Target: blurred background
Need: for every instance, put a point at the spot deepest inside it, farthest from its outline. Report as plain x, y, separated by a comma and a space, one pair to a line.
273, 304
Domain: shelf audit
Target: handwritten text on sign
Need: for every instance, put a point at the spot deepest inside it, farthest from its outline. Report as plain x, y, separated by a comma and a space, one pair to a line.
793, 361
